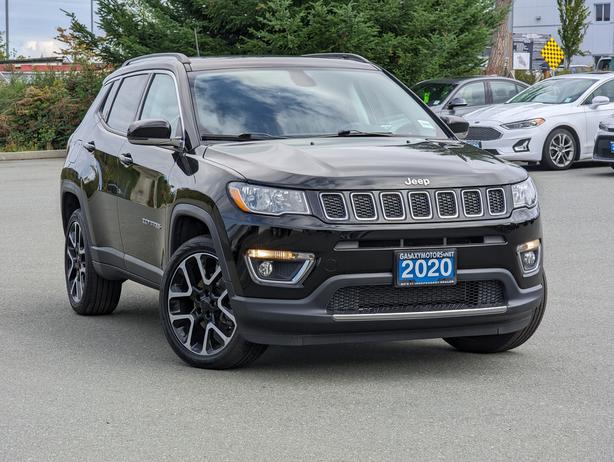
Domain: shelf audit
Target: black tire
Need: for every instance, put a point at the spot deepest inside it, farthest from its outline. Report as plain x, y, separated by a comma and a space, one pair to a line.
89, 294
502, 342
560, 150
203, 331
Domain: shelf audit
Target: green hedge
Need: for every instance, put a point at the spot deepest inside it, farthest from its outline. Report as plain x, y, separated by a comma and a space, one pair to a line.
43, 112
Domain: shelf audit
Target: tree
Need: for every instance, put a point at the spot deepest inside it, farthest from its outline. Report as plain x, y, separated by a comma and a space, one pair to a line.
415, 39
573, 15
501, 44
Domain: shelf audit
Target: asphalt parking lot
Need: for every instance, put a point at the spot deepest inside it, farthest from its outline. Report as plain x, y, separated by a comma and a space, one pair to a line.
110, 388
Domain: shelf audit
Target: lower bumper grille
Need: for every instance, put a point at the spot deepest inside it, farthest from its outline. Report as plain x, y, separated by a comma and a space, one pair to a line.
389, 299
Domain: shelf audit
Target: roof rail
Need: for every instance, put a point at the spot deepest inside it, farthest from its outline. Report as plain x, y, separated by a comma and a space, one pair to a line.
183, 59
349, 56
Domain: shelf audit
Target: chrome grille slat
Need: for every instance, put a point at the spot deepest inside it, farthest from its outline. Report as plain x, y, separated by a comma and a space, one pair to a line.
496, 201
392, 205
472, 203
363, 205
334, 206
420, 205
446, 204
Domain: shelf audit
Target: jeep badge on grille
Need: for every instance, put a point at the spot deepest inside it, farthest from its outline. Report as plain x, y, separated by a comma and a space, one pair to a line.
417, 181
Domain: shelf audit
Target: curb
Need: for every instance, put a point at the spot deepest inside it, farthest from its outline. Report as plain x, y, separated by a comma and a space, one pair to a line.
32, 155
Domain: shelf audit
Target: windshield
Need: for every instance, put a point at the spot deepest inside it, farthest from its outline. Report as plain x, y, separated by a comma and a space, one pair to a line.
554, 91
297, 102
433, 93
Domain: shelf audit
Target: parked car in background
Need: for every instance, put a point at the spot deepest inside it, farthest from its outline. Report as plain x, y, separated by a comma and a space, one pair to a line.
604, 143
554, 122
459, 96
604, 63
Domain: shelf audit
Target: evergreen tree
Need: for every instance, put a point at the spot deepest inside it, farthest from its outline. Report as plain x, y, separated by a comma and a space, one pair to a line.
415, 39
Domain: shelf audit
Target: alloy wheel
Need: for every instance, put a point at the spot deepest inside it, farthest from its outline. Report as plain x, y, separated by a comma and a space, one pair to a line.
561, 150
76, 265
198, 305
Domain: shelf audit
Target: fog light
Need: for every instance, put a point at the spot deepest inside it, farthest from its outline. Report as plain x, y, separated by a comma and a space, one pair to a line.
529, 254
278, 267
522, 145
265, 269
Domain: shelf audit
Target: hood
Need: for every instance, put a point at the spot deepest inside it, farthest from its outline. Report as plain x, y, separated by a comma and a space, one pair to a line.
514, 112
366, 163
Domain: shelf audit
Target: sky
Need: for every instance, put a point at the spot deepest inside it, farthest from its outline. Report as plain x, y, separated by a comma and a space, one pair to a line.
33, 23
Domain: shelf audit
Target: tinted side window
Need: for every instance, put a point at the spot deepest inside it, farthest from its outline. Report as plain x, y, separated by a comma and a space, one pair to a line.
607, 89
502, 91
473, 93
126, 102
161, 102
104, 109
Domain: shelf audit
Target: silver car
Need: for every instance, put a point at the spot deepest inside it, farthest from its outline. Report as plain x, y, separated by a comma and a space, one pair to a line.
461, 95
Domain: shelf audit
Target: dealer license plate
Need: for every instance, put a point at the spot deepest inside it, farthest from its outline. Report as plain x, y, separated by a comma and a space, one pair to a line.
475, 143
612, 147
425, 267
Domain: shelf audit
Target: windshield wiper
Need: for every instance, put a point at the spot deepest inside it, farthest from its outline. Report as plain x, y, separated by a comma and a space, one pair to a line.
353, 132
243, 137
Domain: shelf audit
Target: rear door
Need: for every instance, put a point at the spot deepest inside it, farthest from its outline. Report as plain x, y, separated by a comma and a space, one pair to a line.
502, 90
472, 92
148, 193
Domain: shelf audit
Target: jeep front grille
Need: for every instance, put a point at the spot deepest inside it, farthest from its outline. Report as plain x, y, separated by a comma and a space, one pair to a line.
403, 206
388, 299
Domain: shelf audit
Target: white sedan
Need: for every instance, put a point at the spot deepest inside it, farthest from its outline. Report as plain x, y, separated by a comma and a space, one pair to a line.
553, 122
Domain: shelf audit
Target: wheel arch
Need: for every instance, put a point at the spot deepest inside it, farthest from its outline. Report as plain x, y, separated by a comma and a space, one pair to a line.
188, 221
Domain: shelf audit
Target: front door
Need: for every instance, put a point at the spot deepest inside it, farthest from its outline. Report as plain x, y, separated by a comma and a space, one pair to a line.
147, 191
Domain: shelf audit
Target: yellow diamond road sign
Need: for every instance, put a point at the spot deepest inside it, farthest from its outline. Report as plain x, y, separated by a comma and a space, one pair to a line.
552, 53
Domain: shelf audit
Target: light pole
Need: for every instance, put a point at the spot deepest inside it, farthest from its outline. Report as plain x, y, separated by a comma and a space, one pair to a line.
91, 17
6, 33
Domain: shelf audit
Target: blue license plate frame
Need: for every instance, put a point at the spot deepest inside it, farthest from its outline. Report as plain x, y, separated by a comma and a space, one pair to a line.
426, 267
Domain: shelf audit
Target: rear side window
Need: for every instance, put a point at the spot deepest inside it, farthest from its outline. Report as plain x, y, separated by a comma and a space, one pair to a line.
104, 110
127, 102
161, 102
473, 93
502, 91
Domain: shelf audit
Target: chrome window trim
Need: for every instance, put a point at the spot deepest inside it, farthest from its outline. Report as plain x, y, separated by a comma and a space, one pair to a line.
455, 202
473, 215
392, 193
345, 207
370, 194
421, 314
504, 202
411, 208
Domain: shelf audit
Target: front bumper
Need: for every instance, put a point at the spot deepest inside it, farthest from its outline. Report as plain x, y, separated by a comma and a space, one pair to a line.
603, 151
306, 321
504, 146
300, 315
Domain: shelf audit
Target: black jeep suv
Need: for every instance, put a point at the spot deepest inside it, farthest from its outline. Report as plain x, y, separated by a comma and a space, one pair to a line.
293, 201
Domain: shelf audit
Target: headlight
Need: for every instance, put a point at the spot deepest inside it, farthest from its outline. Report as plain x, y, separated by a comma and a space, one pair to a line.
268, 201
525, 194
524, 124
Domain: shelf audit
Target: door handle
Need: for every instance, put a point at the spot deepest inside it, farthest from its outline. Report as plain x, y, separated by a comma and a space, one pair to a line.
90, 146
126, 159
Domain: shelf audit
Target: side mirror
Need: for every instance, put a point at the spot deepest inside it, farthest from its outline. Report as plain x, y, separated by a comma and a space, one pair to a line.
152, 132
599, 101
458, 125
457, 102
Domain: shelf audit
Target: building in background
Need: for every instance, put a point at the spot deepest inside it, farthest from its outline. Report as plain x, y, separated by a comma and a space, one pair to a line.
536, 20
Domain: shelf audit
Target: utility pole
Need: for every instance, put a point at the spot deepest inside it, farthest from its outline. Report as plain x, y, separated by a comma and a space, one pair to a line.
6, 33
91, 17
